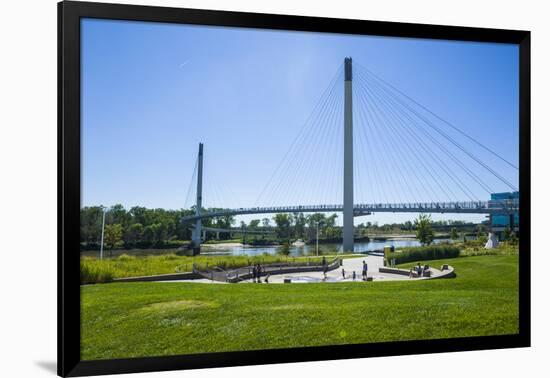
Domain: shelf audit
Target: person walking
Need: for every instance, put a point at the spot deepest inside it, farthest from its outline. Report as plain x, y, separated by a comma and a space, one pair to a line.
419, 270
254, 273
343, 274
365, 269
259, 273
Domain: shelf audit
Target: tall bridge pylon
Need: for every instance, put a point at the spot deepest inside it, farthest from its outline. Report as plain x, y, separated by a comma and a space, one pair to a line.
196, 235
347, 233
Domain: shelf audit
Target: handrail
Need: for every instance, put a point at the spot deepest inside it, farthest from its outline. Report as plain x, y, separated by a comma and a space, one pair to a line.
491, 206
243, 273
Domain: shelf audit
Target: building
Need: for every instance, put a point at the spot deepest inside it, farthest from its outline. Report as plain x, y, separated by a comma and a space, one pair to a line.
499, 222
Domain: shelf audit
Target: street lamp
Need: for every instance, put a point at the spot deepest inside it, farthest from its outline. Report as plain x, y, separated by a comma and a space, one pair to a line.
102, 232
317, 243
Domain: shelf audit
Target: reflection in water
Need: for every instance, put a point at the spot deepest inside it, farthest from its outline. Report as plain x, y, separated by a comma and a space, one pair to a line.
373, 245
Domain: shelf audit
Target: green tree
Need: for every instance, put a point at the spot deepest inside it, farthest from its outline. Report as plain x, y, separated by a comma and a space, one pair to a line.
132, 235
331, 220
481, 236
90, 224
299, 225
282, 222
513, 239
113, 236
254, 223
330, 229
148, 235
424, 232
228, 221
507, 233
160, 233
454, 233
118, 215
284, 249
480, 230
312, 221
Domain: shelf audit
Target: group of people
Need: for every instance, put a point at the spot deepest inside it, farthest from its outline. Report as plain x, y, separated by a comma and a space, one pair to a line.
418, 270
257, 271
354, 276
257, 274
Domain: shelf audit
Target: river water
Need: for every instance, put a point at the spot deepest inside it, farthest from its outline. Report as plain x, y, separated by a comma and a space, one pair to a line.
309, 250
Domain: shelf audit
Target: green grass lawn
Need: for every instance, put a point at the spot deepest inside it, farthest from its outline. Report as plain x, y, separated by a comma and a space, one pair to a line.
94, 270
122, 320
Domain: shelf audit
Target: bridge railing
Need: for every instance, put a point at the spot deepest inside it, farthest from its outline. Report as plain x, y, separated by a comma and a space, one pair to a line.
505, 205
245, 273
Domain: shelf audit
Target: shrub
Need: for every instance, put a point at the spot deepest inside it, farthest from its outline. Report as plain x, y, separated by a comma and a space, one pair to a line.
93, 273
125, 257
175, 243
433, 252
184, 252
284, 249
169, 256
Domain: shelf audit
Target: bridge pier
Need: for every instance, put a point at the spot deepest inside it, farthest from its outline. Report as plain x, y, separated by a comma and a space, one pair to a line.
197, 231
347, 232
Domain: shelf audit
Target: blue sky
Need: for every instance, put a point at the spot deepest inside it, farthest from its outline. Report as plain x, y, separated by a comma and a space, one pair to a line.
151, 92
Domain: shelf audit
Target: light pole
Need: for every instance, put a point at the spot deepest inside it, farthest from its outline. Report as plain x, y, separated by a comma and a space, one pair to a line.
102, 232
317, 243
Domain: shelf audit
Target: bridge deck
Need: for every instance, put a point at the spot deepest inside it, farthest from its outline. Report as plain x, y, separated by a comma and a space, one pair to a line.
474, 207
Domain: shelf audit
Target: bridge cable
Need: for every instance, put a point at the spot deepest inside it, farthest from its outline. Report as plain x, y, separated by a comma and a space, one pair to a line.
450, 139
422, 144
380, 119
293, 171
290, 156
322, 162
400, 153
191, 184
440, 118
368, 177
309, 157
427, 182
426, 148
414, 152
437, 143
312, 144
369, 111
322, 100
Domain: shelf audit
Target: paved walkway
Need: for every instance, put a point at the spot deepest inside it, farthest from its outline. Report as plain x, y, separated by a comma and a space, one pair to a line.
349, 265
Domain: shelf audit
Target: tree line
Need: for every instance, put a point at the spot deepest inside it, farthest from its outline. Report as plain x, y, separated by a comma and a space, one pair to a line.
140, 227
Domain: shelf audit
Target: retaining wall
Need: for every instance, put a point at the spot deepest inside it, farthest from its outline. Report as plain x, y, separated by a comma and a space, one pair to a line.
448, 273
161, 277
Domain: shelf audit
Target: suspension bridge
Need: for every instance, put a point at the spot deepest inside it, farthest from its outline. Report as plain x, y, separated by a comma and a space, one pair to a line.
423, 160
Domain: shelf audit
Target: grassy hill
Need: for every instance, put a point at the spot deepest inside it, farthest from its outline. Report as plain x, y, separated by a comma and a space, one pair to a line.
152, 319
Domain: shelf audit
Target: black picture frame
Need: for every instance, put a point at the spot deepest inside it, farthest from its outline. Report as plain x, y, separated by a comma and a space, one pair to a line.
69, 15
